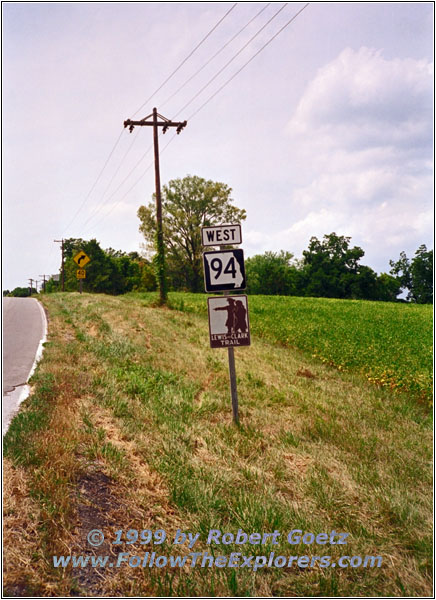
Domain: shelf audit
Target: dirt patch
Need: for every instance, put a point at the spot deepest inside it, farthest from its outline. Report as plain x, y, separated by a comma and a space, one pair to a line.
306, 373
96, 505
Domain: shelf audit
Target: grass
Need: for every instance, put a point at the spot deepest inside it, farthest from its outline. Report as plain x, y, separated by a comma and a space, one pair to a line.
131, 407
390, 344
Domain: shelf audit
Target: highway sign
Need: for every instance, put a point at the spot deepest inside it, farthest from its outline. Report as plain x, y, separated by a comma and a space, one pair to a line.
228, 321
81, 274
221, 235
224, 270
81, 259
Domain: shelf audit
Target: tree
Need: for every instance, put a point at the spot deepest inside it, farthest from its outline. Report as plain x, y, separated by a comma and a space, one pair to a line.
331, 267
187, 205
22, 292
272, 273
415, 275
388, 288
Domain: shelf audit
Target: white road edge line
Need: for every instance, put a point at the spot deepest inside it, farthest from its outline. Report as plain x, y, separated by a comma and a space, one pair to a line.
40, 349
25, 392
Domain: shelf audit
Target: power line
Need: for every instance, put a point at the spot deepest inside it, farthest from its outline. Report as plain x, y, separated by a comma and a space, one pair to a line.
185, 59
124, 180
95, 182
233, 58
215, 55
140, 108
209, 99
102, 202
136, 182
212, 79
249, 61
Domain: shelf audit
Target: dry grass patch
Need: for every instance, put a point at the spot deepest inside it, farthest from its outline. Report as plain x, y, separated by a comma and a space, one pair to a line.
22, 559
150, 424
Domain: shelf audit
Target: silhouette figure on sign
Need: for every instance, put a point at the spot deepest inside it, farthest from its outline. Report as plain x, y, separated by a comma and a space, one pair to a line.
236, 316
240, 311
231, 315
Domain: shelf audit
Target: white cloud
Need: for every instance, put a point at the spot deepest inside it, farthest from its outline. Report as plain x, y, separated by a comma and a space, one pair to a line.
363, 130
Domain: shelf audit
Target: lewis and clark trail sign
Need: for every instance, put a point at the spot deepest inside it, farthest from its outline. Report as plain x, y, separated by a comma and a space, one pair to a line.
228, 321
224, 271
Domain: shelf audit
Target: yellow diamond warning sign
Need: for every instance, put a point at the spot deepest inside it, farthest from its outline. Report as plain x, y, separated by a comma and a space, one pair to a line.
81, 259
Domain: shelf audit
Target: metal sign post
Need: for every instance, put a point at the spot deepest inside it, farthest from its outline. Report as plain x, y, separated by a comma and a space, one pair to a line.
233, 386
81, 259
81, 275
224, 271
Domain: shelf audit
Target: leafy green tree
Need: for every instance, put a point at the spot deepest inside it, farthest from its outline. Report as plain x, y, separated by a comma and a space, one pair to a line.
363, 284
388, 288
272, 273
415, 275
331, 267
187, 205
21, 292
109, 271
52, 285
102, 275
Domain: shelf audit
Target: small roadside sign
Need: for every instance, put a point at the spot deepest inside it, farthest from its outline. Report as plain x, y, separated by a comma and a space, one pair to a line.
81, 259
228, 321
81, 274
221, 235
224, 270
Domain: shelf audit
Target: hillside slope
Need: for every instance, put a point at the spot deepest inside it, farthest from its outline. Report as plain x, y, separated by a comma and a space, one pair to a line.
129, 428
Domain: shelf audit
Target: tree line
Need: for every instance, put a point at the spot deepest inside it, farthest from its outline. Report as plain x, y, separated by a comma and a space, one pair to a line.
109, 271
329, 268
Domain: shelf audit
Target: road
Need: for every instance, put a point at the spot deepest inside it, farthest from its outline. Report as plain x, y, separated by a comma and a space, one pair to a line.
24, 330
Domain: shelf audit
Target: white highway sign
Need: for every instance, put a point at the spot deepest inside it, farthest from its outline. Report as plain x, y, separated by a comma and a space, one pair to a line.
221, 235
224, 270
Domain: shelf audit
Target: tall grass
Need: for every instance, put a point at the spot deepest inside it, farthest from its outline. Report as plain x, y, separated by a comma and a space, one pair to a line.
388, 343
148, 404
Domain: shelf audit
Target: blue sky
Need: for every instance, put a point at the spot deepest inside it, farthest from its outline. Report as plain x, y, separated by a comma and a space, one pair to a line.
328, 129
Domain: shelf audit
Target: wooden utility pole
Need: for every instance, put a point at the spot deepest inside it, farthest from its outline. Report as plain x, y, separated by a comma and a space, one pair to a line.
63, 269
43, 282
31, 286
165, 124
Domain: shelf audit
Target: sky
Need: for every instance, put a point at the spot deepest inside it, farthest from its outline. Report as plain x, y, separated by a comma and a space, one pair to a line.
319, 124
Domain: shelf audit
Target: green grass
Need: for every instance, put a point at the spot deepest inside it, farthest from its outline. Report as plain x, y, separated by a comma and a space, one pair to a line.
388, 343
317, 448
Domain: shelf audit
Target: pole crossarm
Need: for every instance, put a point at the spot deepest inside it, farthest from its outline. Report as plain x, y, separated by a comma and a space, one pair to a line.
165, 123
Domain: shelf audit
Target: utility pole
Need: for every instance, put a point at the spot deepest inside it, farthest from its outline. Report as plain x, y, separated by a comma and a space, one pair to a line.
31, 286
43, 282
165, 124
63, 269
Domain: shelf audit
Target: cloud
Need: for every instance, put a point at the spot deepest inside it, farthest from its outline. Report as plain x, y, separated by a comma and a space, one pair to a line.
362, 94
363, 138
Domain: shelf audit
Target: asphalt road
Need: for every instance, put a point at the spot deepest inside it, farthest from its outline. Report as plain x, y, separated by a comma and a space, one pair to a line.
24, 328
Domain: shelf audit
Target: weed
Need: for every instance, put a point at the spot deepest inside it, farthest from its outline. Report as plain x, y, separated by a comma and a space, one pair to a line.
317, 448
